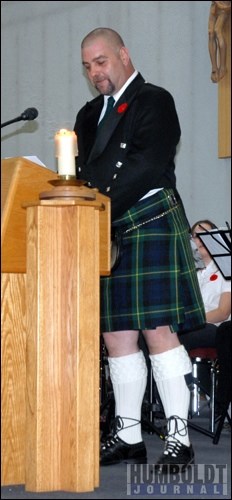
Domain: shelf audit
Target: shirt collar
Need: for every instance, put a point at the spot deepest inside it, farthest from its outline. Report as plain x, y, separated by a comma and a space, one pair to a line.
122, 90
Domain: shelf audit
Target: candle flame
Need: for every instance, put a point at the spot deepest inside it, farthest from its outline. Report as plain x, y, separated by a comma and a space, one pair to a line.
64, 131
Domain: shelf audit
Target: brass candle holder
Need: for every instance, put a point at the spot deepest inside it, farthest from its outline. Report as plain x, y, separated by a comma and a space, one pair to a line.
67, 186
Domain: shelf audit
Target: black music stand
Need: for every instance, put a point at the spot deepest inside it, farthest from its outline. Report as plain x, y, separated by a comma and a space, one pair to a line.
218, 243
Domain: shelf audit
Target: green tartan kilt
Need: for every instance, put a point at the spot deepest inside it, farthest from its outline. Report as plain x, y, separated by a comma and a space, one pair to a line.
155, 283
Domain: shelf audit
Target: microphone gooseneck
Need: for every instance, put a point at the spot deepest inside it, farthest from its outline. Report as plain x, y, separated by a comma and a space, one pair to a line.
28, 114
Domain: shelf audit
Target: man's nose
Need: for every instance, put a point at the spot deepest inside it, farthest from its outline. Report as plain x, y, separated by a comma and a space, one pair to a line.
94, 71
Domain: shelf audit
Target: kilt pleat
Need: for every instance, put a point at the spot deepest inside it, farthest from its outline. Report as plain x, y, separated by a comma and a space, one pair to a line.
155, 283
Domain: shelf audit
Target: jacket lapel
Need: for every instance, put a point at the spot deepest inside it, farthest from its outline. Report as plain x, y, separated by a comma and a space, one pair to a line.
110, 123
90, 122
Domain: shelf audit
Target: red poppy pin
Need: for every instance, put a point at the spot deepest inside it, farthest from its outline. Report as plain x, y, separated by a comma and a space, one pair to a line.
213, 277
122, 108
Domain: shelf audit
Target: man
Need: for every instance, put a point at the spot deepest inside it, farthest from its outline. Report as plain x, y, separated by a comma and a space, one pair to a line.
128, 154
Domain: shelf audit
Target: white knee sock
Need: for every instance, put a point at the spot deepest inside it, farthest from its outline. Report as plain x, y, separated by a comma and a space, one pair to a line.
129, 378
169, 370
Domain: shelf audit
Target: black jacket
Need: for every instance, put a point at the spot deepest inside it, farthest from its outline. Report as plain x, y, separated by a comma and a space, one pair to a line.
134, 149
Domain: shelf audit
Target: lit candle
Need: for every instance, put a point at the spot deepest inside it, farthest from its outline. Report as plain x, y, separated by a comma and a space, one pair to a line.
66, 150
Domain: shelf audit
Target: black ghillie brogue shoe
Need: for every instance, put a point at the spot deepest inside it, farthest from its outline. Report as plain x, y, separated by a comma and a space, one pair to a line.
114, 450
176, 456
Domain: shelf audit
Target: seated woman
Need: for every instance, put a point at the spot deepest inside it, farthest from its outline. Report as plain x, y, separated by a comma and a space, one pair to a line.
216, 294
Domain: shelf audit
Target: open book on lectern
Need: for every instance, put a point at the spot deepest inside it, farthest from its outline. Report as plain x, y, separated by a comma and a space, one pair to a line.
218, 243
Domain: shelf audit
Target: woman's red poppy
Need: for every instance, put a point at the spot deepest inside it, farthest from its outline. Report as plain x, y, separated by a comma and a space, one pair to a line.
213, 277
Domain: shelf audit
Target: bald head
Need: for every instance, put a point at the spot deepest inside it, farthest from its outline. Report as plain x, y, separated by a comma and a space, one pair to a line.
106, 60
110, 36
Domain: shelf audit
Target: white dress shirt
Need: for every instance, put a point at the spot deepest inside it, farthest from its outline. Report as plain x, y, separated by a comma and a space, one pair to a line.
212, 285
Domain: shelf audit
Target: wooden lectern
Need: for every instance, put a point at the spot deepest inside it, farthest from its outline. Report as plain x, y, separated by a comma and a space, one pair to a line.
50, 330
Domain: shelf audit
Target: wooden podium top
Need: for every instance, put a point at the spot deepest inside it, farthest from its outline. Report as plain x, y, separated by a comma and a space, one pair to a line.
22, 182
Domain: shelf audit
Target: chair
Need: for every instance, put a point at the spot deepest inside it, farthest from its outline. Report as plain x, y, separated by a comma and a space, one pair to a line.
205, 357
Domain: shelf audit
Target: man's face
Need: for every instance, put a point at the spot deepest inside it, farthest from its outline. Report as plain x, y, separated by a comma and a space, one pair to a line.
104, 66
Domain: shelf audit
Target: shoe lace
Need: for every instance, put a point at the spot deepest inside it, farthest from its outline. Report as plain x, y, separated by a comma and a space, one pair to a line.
172, 447
182, 431
116, 425
110, 441
172, 444
119, 423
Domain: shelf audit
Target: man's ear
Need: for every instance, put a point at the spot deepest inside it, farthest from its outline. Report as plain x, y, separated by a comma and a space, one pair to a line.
124, 55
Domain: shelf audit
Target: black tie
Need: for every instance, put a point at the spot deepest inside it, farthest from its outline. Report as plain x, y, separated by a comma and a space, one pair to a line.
110, 105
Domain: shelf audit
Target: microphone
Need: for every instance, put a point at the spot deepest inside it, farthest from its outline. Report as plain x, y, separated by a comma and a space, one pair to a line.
28, 114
